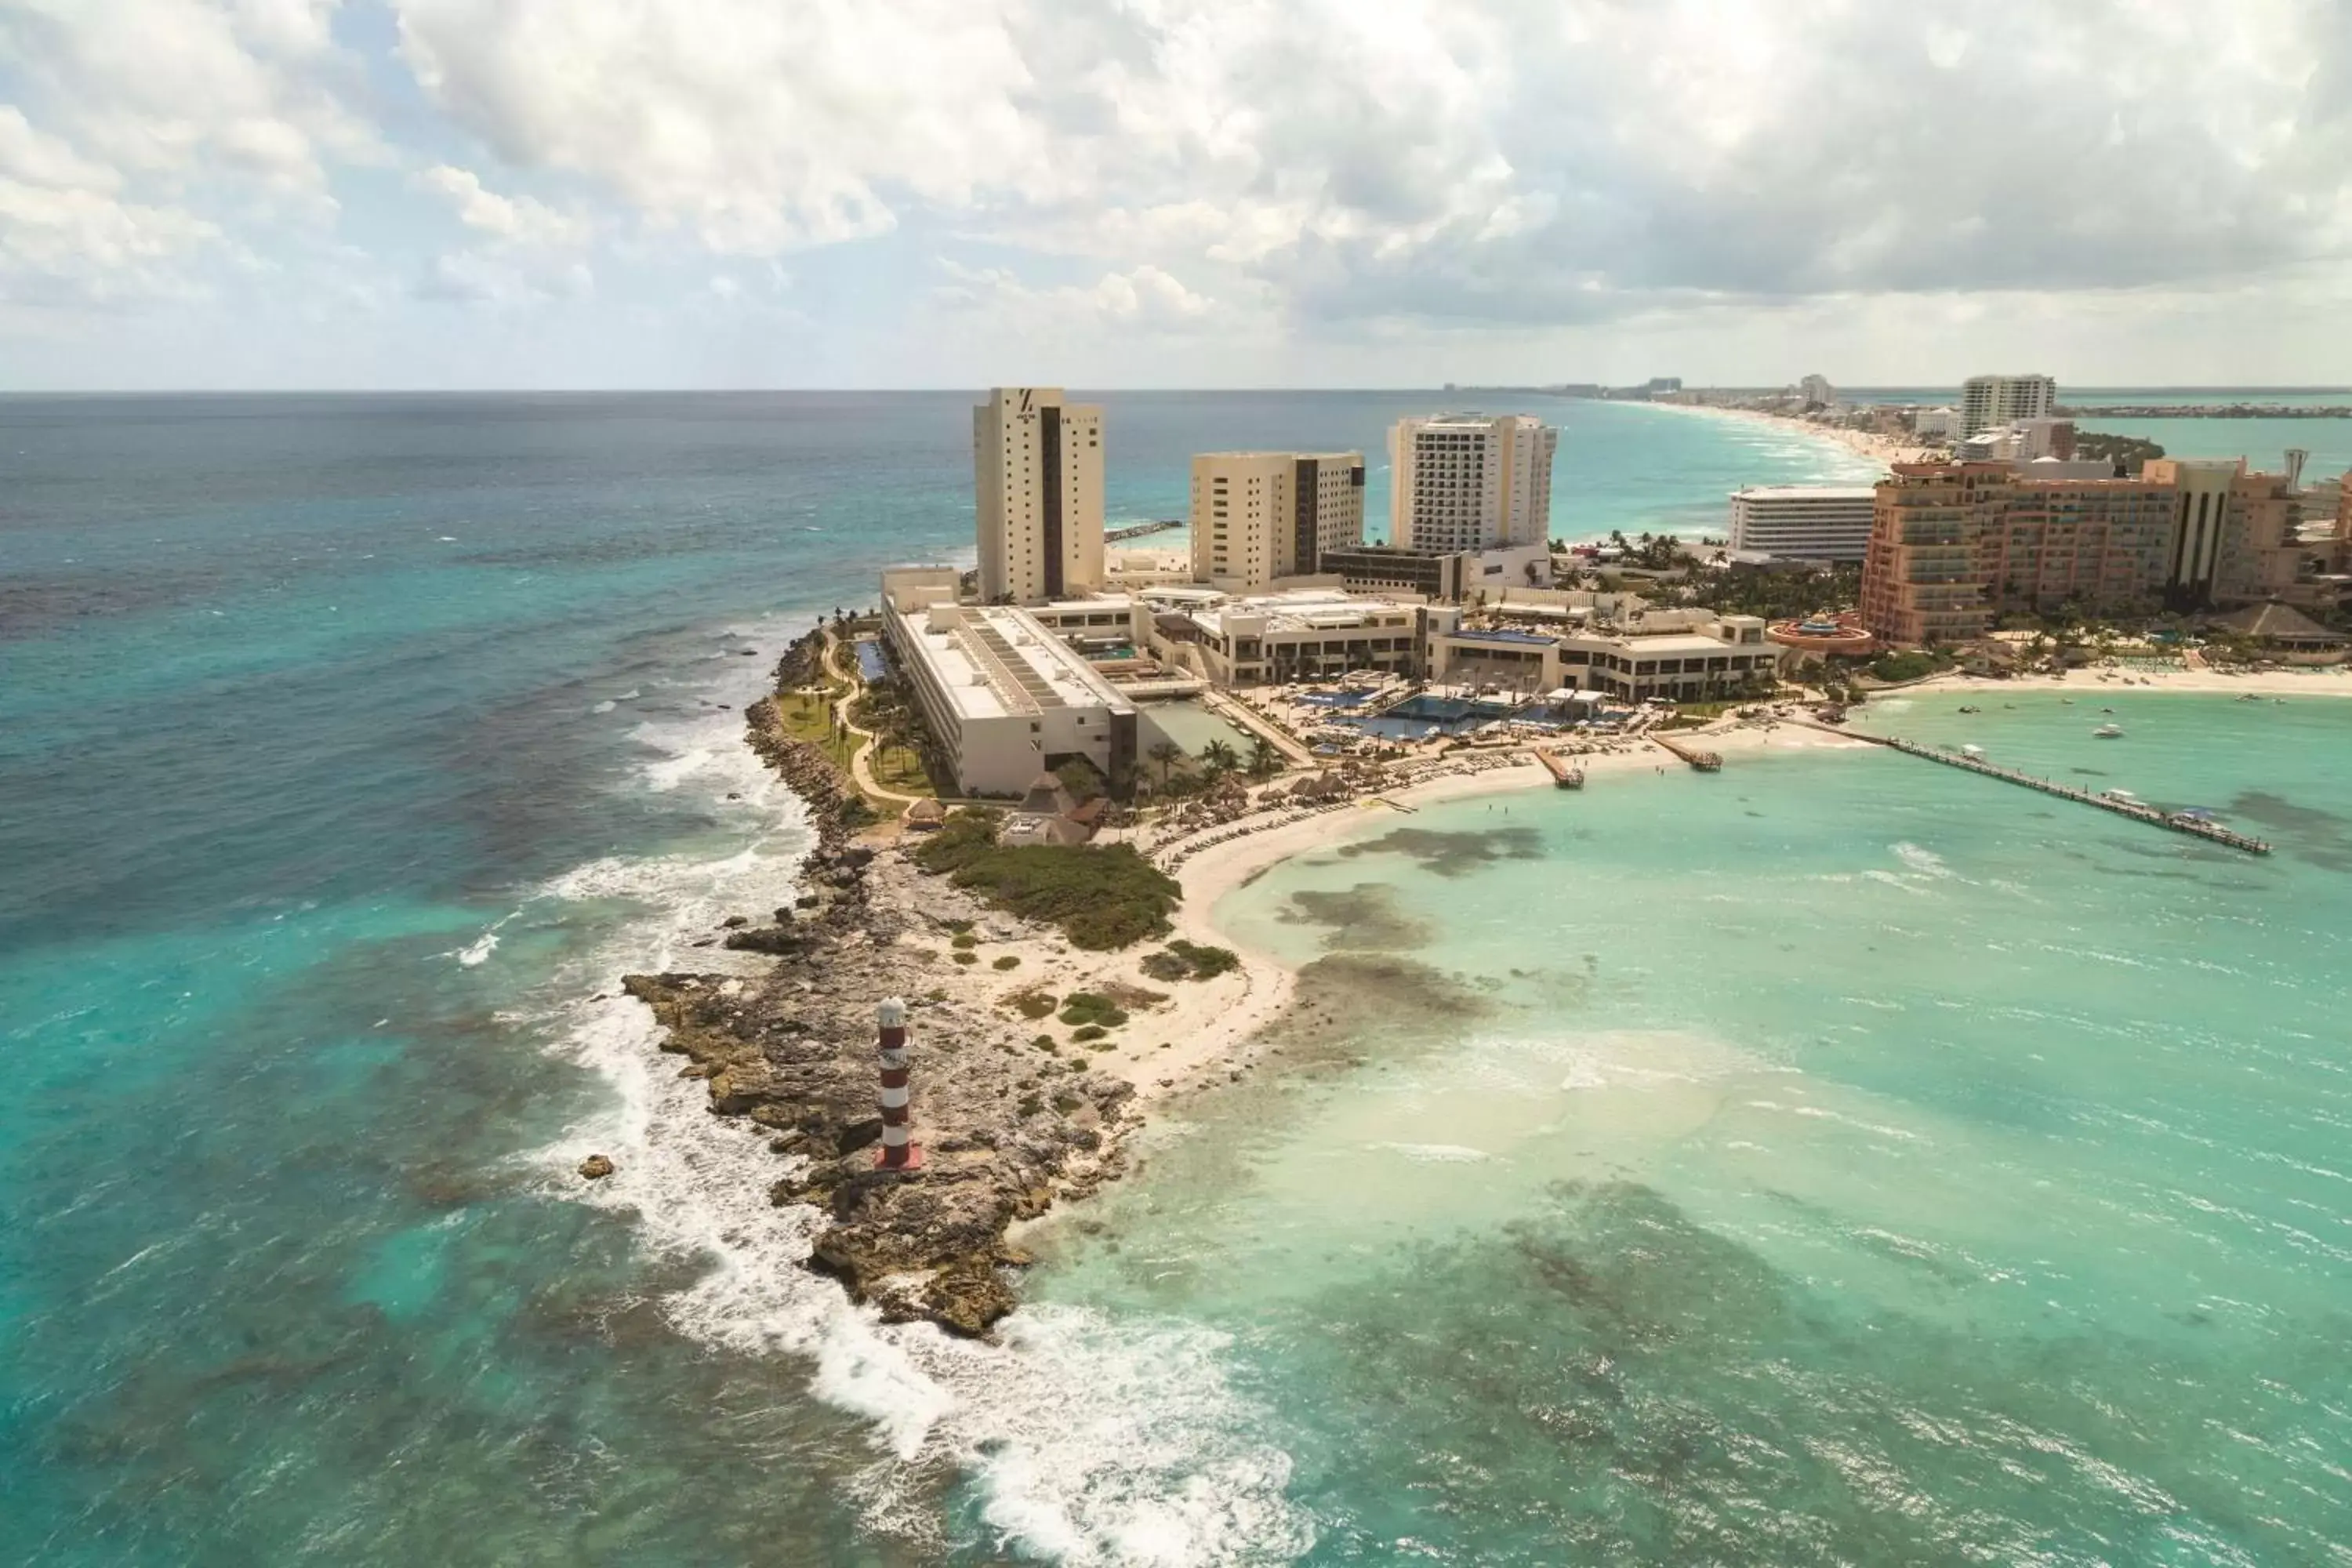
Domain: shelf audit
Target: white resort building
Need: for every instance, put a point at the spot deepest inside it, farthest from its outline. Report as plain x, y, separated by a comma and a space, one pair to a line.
1805, 522
1004, 695
1467, 481
1991, 401
1258, 516
1311, 634
1678, 656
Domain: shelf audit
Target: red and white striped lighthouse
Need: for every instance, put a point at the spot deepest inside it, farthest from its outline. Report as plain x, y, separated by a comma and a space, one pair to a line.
899, 1151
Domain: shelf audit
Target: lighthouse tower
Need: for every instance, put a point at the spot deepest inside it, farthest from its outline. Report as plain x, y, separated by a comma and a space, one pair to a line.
898, 1151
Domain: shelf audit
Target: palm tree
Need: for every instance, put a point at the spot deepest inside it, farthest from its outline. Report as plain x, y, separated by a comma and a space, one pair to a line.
1218, 759
1265, 761
1165, 754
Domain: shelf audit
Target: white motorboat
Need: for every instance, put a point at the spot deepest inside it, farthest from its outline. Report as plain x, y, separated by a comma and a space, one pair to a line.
2107, 731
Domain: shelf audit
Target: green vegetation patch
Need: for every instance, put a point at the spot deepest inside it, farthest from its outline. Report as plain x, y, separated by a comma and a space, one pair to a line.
1101, 897
1909, 665
1087, 1032
1033, 1004
1190, 961
962, 939
1010, 960
965, 957
1086, 1007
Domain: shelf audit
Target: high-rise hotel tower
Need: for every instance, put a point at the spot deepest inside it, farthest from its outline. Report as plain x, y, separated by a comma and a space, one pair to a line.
1258, 516
1466, 481
1037, 476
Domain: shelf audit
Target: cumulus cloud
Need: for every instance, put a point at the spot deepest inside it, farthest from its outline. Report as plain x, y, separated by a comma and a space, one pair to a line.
757, 126
1144, 297
1422, 172
475, 278
255, 88
1488, 160
66, 234
519, 220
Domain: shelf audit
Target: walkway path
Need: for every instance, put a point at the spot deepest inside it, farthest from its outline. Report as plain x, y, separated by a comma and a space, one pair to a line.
1241, 715
861, 761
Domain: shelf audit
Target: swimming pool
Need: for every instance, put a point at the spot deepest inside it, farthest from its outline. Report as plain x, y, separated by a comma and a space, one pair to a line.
1423, 717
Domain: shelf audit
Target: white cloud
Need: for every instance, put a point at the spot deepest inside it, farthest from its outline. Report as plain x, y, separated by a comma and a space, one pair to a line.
475, 278
1315, 182
68, 237
195, 87
757, 126
1475, 160
36, 158
1143, 298
519, 220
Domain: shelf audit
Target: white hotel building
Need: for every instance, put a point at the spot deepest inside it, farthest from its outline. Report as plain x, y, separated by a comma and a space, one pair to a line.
1989, 402
1467, 482
1805, 522
1257, 516
1003, 696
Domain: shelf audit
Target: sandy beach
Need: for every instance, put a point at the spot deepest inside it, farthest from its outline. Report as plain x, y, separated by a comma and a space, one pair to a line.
1862, 443
2331, 681
1214, 1028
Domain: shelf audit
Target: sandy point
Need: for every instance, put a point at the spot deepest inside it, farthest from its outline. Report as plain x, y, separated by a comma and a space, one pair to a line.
1219, 1027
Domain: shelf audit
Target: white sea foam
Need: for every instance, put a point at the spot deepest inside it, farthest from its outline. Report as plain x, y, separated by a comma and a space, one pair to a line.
479, 951
1089, 1440
1436, 1153
1926, 862
605, 707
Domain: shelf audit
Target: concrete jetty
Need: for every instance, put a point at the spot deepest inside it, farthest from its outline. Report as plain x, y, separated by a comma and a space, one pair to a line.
2175, 822
1704, 761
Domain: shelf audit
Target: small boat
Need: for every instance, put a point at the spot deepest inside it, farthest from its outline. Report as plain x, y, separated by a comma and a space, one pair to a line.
2107, 731
1965, 708
1972, 751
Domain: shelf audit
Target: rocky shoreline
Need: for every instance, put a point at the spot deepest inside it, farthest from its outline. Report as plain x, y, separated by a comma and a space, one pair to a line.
1006, 1130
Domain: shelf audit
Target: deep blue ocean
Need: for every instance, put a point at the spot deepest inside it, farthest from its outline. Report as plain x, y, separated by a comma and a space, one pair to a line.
349, 748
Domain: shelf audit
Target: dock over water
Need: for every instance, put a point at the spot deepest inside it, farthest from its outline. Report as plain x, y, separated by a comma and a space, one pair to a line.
1565, 775
2195, 827
1705, 761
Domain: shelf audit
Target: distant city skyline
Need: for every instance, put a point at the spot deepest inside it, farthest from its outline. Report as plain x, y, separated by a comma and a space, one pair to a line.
689, 194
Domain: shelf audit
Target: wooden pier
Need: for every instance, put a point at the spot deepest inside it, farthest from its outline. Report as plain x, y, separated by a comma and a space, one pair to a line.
1705, 761
2195, 827
1565, 775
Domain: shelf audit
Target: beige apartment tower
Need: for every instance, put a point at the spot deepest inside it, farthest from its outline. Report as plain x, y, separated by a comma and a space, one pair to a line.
1989, 402
1467, 482
1037, 480
1258, 516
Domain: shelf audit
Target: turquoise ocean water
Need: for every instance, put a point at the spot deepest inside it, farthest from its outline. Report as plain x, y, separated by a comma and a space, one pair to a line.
1840, 1159
350, 747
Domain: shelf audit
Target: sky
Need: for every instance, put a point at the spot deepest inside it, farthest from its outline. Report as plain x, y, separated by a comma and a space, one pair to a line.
560, 193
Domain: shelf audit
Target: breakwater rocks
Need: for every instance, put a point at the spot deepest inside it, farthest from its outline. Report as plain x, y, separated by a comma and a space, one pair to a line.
802, 664
1005, 1131
833, 802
